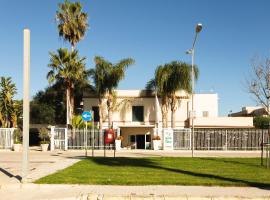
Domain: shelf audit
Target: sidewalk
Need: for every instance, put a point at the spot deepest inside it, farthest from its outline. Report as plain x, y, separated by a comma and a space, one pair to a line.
104, 192
44, 163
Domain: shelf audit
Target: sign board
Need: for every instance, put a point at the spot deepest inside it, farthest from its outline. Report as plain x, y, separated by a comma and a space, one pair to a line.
167, 139
86, 116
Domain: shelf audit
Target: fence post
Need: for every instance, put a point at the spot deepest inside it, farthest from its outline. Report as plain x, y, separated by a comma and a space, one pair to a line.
11, 138
52, 138
66, 139
226, 140
190, 139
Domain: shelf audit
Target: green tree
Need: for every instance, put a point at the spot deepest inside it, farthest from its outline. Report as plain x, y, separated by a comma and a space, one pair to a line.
7, 108
69, 69
72, 23
169, 79
180, 77
159, 84
106, 77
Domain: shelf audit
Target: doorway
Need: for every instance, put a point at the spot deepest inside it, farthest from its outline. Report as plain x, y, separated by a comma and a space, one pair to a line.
140, 141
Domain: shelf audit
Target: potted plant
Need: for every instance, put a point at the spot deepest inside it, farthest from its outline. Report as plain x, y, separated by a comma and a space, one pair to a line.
118, 141
156, 142
44, 136
17, 138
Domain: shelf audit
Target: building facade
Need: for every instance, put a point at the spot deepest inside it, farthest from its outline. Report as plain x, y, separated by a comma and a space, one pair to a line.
137, 114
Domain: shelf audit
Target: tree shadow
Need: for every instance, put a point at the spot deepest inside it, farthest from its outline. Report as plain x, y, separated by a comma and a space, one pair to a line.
231, 162
145, 162
19, 178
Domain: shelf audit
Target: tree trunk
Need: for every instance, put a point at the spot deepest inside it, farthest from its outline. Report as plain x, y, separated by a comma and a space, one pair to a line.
67, 105
100, 108
71, 102
109, 107
173, 110
164, 109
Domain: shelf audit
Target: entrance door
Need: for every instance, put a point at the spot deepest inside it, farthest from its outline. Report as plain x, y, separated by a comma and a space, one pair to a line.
140, 140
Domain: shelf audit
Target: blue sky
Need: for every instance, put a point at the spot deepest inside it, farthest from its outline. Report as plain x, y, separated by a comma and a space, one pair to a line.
152, 32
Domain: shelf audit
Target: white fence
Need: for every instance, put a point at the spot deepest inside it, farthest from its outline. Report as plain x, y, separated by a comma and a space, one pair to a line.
221, 139
6, 138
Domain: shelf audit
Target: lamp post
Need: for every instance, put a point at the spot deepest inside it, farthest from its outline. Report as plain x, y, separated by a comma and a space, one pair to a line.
192, 52
26, 81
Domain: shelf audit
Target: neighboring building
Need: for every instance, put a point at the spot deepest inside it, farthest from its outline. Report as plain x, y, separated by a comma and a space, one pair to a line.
250, 111
135, 114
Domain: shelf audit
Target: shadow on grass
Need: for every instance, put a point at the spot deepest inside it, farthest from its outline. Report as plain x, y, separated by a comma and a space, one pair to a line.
232, 162
144, 162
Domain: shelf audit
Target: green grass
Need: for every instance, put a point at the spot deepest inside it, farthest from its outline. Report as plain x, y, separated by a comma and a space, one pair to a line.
164, 171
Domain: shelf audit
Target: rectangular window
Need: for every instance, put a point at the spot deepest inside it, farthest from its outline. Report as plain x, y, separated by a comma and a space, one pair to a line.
137, 114
132, 138
96, 113
205, 114
148, 138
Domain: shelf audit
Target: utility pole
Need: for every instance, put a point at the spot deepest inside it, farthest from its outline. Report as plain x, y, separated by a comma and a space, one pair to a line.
26, 81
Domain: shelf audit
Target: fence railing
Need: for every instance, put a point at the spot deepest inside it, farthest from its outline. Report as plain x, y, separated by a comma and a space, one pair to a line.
221, 139
6, 138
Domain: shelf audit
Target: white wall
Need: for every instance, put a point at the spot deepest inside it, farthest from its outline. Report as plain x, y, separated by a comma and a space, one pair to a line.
205, 102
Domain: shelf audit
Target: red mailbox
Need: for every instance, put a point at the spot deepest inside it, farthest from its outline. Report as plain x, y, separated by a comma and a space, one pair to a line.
109, 136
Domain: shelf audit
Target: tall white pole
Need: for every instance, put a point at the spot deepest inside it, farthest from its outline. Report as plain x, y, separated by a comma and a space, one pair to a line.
26, 80
192, 101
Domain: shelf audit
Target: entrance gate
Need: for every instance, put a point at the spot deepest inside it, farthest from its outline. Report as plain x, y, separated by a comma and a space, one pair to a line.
59, 138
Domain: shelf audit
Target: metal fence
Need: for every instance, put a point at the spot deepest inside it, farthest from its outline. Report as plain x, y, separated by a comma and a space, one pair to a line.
79, 139
221, 139
6, 138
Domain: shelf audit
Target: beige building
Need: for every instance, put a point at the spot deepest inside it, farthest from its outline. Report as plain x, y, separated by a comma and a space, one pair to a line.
136, 115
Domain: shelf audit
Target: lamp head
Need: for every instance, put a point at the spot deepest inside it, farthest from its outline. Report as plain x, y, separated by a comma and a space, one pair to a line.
198, 28
189, 51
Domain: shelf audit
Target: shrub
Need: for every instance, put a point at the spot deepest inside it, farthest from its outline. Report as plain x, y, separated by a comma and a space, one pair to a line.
17, 136
43, 135
156, 137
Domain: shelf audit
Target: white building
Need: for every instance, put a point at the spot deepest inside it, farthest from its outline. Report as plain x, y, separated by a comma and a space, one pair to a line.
136, 114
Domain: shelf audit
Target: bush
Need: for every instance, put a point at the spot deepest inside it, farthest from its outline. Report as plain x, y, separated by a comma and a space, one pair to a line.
17, 136
43, 135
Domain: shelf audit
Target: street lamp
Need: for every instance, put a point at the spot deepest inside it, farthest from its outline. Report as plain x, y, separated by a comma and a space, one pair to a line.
192, 51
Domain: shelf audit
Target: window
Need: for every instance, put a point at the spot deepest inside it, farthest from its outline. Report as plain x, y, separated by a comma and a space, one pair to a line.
205, 114
96, 113
132, 138
137, 114
148, 138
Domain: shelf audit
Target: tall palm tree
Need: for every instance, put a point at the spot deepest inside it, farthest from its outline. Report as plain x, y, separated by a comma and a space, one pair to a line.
69, 68
160, 84
106, 77
179, 79
72, 23
7, 92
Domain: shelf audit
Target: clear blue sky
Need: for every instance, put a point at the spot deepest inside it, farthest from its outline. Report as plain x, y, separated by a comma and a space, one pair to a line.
152, 32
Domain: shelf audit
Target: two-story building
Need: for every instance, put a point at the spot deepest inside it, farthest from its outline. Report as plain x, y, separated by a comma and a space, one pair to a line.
137, 114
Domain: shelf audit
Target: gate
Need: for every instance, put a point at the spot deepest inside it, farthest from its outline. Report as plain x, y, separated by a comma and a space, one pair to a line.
6, 138
59, 138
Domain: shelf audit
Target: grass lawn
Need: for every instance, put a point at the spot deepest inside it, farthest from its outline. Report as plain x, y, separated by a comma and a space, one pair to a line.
164, 171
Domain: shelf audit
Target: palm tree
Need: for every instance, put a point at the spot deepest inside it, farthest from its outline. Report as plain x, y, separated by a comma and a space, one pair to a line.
160, 84
7, 92
179, 79
106, 77
71, 22
69, 68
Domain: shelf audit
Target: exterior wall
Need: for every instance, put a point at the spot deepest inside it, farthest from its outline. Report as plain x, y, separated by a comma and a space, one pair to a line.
127, 99
205, 102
